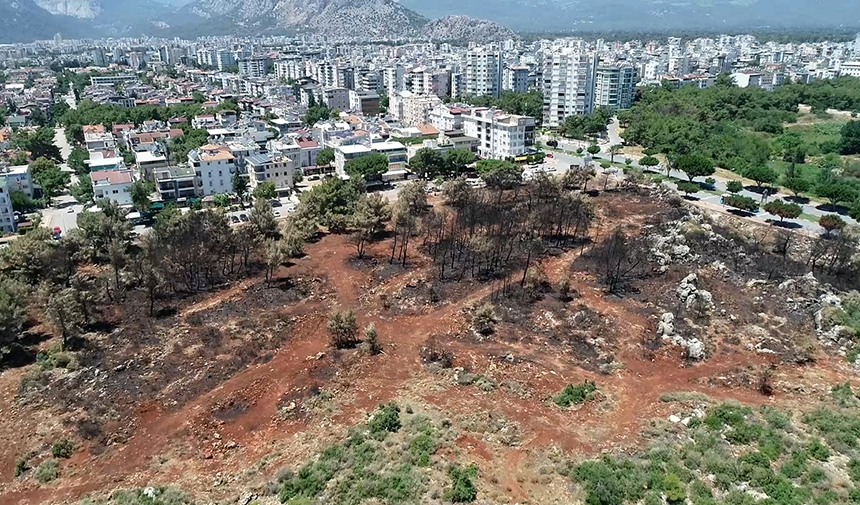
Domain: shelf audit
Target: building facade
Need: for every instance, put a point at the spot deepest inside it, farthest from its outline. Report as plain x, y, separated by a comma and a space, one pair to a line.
500, 135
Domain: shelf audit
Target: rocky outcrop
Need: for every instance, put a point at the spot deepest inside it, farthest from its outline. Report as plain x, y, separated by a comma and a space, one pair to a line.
336, 18
467, 29
698, 302
694, 348
84, 9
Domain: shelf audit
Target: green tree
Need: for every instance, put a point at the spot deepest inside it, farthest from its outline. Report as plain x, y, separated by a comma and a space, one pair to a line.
325, 157
371, 213
262, 219
593, 149
240, 185
850, 141
140, 193
82, 191
342, 329
761, 174
743, 203
40, 144
613, 151
695, 165
49, 177
369, 167
735, 186
427, 163
265, 190
459, 159
21, 202
649, 162
783, 210
499, 174
688, 188
77, 160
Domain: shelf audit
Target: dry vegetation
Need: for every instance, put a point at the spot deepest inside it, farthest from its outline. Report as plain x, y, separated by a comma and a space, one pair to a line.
486, 348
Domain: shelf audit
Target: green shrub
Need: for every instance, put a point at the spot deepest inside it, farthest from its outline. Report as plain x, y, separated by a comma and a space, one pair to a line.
818, 450
841, 431
726, 414
776, 419
422, 447
854, 470
795, 466
575, 394
386, 419
816, 475
674, 489
771, 444
462, 485
63, 449
843, 395
20, 467
47, 471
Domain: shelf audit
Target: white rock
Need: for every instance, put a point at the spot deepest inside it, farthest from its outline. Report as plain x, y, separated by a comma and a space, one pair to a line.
675, 419
149, 492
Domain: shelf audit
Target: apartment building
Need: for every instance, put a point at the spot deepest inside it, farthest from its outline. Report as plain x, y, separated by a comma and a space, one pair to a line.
110, 80
483, 72
500, 135
148, 162
614, 87
365, 101
254, 68
176, 183
446, 118
214, 167
344, 153
337, 98
411, 109
850, 68
516, 79
568, 85
114, 185
277, 169
17, 178
7, 216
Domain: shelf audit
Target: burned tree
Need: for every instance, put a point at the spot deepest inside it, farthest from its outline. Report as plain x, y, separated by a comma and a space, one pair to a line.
620, 259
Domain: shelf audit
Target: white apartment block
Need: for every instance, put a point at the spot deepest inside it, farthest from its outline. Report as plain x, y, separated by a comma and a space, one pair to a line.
17, 179
615, 87
445, 118
114, 185
214, 166
851, 68
748, 79
568, 85
516, 79
255, 68
275, 168
500, 135
483, 72
394, 79
7, 217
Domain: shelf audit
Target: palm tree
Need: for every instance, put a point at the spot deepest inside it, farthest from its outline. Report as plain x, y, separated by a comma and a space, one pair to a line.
613, 150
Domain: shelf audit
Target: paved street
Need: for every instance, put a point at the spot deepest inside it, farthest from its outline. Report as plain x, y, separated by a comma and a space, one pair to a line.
808, 220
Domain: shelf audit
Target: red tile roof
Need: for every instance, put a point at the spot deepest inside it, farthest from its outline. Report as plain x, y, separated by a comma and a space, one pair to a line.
112, 176
306, 143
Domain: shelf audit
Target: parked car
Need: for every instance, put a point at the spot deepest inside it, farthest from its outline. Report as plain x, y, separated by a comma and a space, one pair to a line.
234, 219
243, 217
275, 203
549, 155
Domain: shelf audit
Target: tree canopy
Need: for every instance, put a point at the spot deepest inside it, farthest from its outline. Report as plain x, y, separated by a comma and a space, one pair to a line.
370, 166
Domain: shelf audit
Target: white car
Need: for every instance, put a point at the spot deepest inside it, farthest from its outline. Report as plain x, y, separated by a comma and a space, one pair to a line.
476, 182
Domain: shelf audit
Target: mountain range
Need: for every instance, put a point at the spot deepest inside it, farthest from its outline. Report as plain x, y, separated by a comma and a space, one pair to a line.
480, 20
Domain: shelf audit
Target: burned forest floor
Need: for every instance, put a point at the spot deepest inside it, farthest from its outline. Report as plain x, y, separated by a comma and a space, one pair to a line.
226, 395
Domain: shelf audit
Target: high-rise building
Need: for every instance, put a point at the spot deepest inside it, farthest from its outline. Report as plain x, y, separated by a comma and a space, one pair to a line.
614, 87
254, 67
568, 85
516, 79
483, 72
393, 77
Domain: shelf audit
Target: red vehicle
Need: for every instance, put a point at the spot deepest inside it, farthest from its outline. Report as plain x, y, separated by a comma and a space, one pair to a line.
549, 155
56, 233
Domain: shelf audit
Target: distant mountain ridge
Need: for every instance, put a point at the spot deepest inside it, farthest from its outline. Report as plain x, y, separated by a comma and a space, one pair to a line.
648, 15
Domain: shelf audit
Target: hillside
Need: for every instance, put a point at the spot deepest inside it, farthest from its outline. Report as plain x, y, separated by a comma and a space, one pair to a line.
612, 346
25, 20
336, 18
466, 28
648, 15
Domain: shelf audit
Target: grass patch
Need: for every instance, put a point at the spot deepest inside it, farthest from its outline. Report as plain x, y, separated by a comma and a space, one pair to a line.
686, 397
153, 495
575, 394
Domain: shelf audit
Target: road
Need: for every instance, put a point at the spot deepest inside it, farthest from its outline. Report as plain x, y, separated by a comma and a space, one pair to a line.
808, 221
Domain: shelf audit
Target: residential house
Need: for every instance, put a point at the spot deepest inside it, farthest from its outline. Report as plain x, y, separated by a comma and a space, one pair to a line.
114, 185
